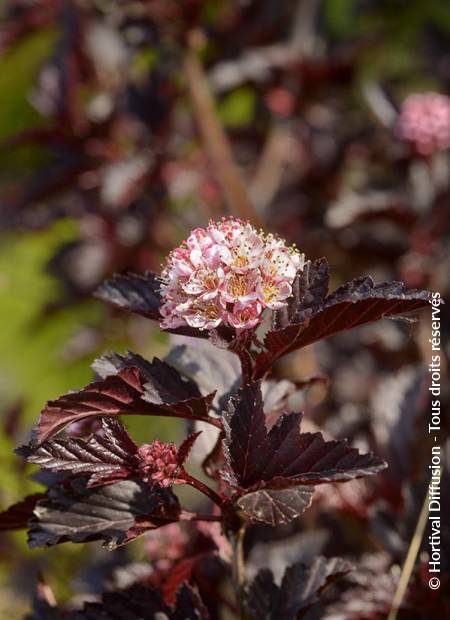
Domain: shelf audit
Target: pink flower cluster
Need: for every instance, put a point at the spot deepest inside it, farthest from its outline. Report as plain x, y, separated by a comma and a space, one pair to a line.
166, 545
226, 274
159, 463
425, 121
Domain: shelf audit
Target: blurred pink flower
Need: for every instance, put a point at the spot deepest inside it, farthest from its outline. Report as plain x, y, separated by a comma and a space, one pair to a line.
227, 273
424, 120
166, 545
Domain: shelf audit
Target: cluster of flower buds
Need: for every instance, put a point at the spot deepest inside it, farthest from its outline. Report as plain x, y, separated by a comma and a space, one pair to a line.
227, 273
159, 463
424, 121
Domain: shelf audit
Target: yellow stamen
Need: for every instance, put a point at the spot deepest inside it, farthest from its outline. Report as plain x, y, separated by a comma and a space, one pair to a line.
241, 261
237, 285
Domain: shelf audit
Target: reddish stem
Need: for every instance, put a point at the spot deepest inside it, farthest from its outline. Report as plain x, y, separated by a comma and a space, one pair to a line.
208, 419
246, 366
241, 347
204, 488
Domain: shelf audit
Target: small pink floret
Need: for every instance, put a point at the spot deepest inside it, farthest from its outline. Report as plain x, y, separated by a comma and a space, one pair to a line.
227, 273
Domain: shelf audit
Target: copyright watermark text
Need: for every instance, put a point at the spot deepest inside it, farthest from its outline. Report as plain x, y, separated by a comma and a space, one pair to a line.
434, 427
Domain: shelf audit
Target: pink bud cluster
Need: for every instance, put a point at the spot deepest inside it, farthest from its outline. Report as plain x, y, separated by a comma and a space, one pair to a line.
227, 273
425, 121
159, 463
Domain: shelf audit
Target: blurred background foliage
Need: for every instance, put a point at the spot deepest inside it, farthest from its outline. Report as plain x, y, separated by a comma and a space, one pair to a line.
102, 170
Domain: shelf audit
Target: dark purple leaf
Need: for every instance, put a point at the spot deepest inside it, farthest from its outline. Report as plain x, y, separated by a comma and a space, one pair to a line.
109, 455
371, 591
115, 514
112, 363
247, 443
284, 457
164, 383
140, 602
134, 603
310, 316
186, 447
210, 367
262, 595
372, 588
276, 506
299, 590
140, 294
212, 460
189, 606
133, 292
302, 585
309, 290
16, 516
158, 391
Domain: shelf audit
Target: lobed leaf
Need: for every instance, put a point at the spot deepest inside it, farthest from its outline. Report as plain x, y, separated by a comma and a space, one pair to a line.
16, 516
311, 315
189, 605
134, 292
276, 506
210, 367
284, 457
115, 514
246, 444
141, 601
186, 447
141, 295
148, 389
107, 456
299, 590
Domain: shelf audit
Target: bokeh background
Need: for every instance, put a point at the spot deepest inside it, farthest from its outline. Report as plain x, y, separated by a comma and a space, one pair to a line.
123, 124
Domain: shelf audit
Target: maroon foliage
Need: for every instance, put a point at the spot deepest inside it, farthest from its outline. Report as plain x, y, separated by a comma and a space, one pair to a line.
298, 592
312, 315
115, 514
16, 516
159, 390
133, 292
144, 118
139, 294
141, 601
111, 455
276, 506
285, 457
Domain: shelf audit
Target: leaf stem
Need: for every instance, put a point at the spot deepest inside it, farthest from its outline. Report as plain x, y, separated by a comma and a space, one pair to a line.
238, 565
205, 489
240, 346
